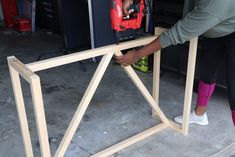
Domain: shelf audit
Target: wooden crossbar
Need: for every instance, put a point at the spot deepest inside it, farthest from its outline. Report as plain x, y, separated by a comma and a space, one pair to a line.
17, 69
130, 141
79, 56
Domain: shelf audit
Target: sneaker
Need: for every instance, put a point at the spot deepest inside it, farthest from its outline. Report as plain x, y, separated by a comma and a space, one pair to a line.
195, 119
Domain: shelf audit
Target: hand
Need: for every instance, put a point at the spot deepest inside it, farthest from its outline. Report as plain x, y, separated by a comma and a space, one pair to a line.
133, 56
129, 58
125, 6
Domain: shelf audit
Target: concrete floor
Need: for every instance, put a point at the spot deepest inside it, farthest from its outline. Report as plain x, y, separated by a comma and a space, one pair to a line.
116, 112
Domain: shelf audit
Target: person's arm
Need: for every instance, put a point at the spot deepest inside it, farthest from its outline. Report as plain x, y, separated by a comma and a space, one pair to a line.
189, 5
125, 6
133, 56
194, 24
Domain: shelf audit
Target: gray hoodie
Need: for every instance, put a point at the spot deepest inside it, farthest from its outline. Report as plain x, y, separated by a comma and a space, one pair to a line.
210, 18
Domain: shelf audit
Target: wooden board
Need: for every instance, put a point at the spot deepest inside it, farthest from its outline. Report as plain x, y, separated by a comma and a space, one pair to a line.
27, 72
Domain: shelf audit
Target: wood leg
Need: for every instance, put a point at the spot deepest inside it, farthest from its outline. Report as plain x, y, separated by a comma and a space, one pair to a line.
156, 72
189, 84
15, 79
39, 112
156, 79
83, 105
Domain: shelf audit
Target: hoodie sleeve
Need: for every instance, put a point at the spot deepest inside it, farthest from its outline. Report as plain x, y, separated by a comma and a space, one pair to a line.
192, 25
189, 5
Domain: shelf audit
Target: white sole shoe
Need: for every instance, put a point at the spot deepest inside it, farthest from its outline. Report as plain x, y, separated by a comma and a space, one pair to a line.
194, 119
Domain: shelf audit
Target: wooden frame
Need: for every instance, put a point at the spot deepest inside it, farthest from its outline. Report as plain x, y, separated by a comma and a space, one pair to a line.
27, 71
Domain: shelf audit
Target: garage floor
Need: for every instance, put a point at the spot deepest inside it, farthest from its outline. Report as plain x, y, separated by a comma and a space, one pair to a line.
116, 112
